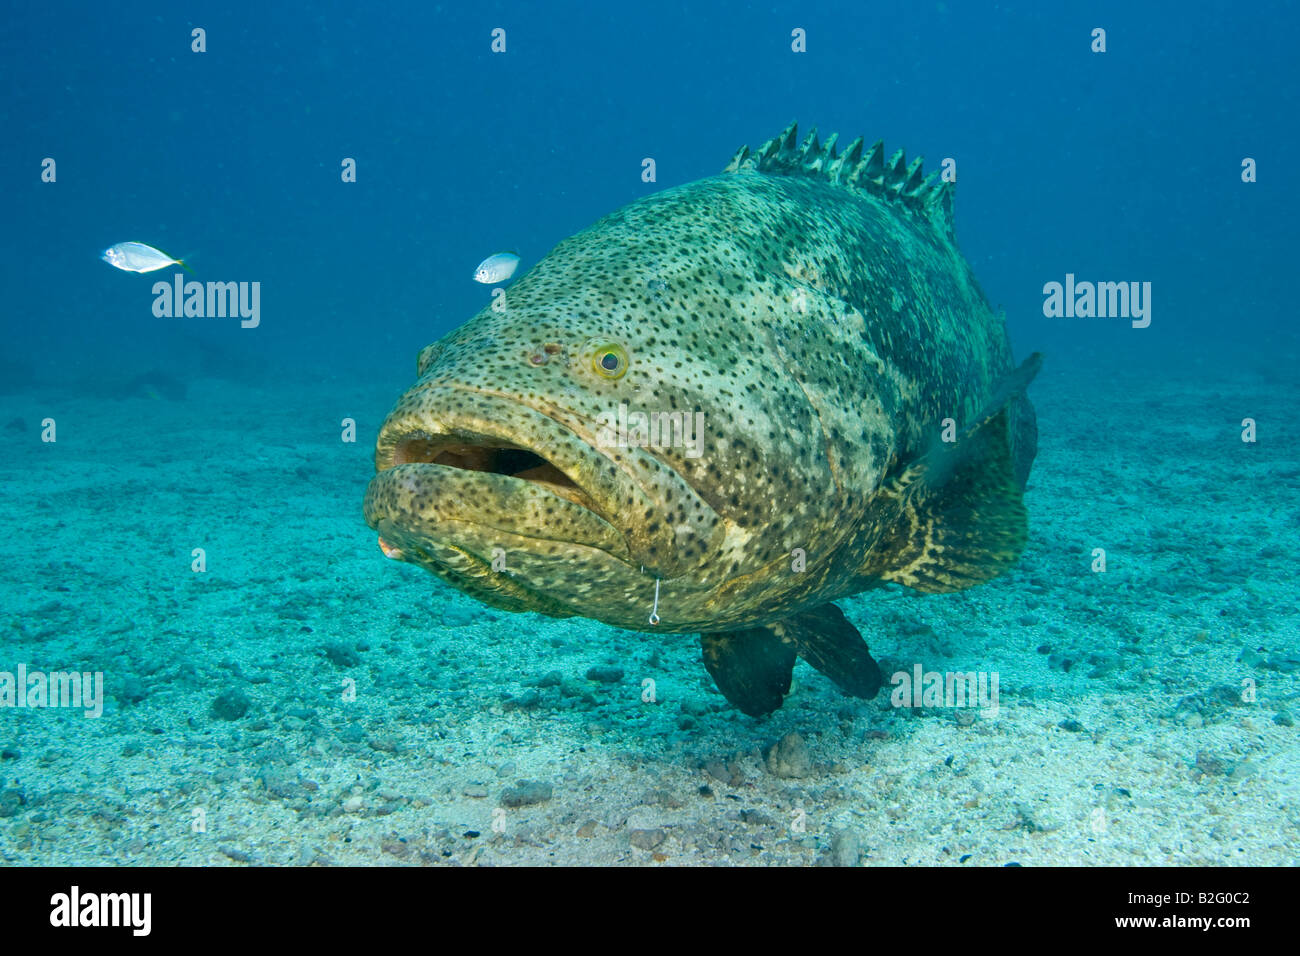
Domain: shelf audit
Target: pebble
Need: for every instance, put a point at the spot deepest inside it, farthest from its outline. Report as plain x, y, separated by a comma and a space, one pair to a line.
646, 839
1225, 694
525, 793
352, 734
576, 689
662, 798
605, 675
340, 655
1028, 818
1250, 657
1284, 663
1244, 771
1103, 664
458, 615
133, 690
1212, 765
729, 774
788, 757
845, 849
11, 801
236, 854
529, 700
282, 784
231, 705
1282, 718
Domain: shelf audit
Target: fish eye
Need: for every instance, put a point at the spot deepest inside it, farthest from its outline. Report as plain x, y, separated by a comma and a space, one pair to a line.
609, 360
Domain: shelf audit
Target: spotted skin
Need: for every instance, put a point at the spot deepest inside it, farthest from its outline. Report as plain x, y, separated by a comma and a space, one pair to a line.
825, 331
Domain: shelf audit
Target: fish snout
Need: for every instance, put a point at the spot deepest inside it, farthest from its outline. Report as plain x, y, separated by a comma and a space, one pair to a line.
454, 457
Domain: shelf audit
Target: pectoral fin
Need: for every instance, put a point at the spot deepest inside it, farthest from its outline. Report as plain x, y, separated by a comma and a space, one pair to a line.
961, 518
753, 667
824, 638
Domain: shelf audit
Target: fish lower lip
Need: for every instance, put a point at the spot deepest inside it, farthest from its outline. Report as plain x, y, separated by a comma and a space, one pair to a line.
415, 503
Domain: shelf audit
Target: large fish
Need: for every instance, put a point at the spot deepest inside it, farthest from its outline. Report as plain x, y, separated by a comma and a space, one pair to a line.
840, 403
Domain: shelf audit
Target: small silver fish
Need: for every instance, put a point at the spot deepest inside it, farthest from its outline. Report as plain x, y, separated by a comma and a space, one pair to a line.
137, 257
497, 268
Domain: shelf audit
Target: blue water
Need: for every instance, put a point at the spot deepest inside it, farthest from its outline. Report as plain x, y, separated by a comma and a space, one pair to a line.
1117, 166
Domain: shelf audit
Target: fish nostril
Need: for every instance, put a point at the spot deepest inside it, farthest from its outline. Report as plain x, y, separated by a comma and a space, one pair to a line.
542, 357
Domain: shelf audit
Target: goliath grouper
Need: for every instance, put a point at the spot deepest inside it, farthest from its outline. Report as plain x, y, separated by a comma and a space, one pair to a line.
862, 420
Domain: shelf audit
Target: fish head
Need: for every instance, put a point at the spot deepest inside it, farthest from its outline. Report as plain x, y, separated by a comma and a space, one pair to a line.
622, 415
561, 452
497, 268
114, 257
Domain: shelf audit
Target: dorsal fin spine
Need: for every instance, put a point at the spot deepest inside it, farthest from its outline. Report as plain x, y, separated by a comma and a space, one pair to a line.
873, 164
825, 156
867, 170
912, 178
895, 172
809, 148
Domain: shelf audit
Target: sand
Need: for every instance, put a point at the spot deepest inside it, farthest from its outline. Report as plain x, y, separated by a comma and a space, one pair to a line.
1121, 736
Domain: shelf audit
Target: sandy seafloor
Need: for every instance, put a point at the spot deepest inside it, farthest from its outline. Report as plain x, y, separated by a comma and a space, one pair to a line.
1121, 737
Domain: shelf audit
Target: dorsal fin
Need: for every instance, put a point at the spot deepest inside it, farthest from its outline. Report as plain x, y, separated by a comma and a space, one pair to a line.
856, 169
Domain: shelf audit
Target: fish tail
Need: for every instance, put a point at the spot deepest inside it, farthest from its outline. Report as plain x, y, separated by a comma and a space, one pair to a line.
182, 261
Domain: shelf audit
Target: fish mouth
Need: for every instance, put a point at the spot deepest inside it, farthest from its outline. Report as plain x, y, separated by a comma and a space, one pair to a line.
484, 454
487, 455
453, 476
462, 470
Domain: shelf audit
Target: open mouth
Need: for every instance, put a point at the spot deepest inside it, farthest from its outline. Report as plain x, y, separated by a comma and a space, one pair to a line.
463, 470
469, 452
